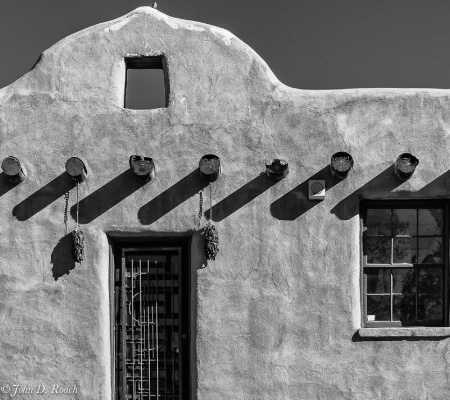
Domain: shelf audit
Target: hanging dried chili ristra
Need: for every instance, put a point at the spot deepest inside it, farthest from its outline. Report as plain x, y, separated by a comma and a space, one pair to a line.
78, 245
210, 234
78, 238
211, 241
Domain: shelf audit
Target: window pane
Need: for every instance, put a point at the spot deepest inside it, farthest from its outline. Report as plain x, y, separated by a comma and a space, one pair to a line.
378, 250
430, 222
379, 222
145, 89
378, 280
399, 235
430, 250
404, 222
379, 308
403, 280
429, 307
405, 250
429, 281
404, 308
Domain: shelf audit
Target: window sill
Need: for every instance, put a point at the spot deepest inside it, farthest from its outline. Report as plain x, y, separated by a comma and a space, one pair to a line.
411, 332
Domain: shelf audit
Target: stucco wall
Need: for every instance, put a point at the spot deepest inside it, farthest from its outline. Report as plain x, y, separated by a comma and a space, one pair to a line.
278, 311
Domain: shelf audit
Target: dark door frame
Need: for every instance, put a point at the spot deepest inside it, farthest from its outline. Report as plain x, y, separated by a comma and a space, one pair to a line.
142, 244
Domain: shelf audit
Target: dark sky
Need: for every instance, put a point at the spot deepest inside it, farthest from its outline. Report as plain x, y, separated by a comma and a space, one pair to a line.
309, 44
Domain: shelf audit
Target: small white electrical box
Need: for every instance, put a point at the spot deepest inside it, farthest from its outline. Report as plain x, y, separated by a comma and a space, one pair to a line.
316, 189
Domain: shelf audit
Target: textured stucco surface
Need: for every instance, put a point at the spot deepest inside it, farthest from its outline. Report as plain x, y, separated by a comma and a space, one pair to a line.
277, 313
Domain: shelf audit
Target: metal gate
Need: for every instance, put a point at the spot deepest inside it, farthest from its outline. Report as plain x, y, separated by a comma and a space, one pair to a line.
151, 323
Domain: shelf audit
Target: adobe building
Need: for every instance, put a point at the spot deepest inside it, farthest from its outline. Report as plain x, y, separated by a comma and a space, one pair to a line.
330, 283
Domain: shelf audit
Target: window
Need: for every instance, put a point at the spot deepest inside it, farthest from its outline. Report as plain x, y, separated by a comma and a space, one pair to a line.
405, 263
151, 322
147, 83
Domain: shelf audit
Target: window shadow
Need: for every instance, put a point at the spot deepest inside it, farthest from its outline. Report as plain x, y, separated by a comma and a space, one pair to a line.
43, 197
250, 191
106, 197
171, 198
358, 339
5, 184
61, 258
295, 203
380, 186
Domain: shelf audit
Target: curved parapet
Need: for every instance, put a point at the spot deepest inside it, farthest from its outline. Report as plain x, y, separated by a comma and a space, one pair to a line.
209, 69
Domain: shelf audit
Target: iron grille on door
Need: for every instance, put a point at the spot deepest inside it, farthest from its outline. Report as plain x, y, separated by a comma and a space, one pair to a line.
151, 324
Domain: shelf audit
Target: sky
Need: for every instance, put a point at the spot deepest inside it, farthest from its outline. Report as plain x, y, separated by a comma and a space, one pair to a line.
308, 44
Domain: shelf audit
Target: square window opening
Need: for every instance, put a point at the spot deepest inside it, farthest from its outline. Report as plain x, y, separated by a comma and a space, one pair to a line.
146, 83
